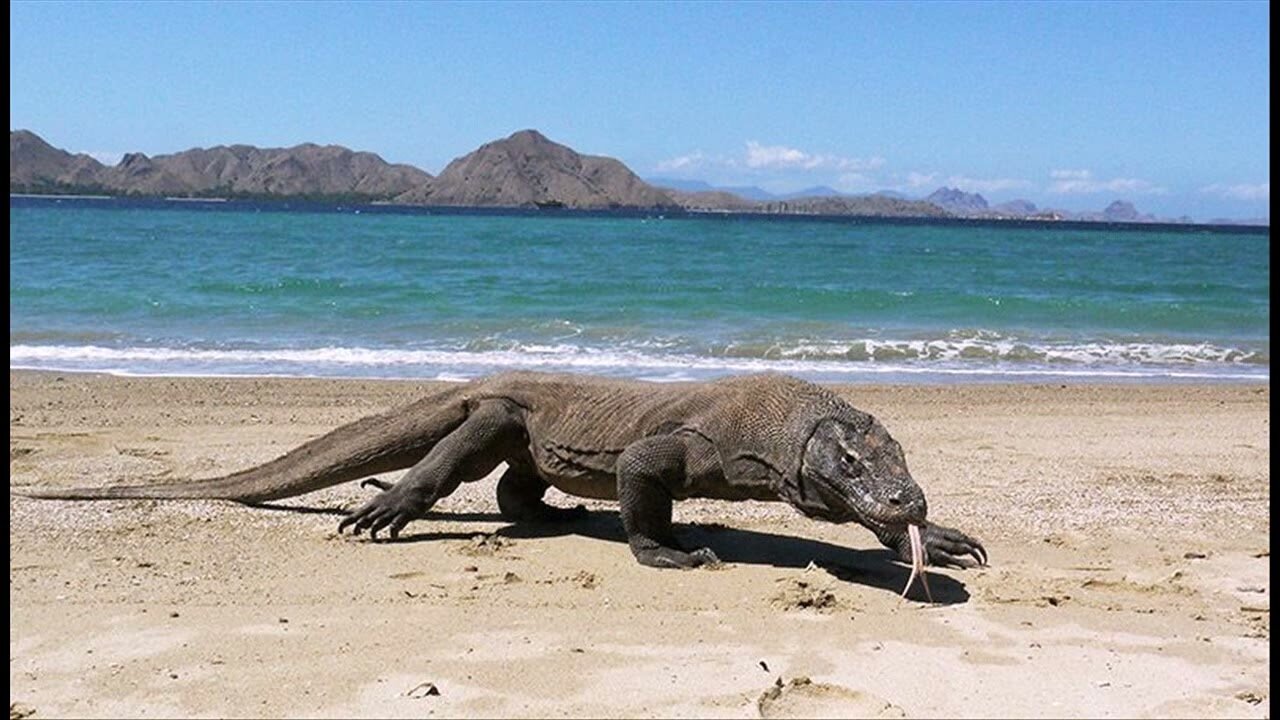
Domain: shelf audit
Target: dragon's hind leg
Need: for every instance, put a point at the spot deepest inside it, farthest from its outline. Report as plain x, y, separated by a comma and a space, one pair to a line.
491, 433
520, 493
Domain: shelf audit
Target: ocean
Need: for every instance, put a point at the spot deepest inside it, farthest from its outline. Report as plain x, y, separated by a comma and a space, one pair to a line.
239, 288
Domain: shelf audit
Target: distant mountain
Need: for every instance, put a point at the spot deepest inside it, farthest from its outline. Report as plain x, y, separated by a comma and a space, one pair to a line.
957, 201
943, 202
523, 170
747, 192
743, 192
682, 185
973, 205
817, 191
36, 166
713, 201
750, 192
1264, 221
694, 195
1016, 208
528, 170
1121, 211
307, 170
699, 196
865, 205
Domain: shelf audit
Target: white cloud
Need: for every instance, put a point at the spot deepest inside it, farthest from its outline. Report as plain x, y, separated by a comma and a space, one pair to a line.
765, 160
930, 181
854, 182
781, 157
775, 156
1070, 174
920, 180
1240, 192
691, 161
1082, 182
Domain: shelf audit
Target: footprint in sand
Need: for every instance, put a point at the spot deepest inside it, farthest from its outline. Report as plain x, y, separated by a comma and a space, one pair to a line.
484, 545
804, 698
796, 594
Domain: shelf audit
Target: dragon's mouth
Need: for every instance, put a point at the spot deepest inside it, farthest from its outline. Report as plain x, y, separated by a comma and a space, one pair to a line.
843, 503
861, 506
919, 555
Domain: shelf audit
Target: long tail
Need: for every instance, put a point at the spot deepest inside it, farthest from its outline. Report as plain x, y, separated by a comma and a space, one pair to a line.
376, 444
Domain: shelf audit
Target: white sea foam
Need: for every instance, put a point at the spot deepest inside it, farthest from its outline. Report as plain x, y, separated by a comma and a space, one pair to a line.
881, 360
996, 348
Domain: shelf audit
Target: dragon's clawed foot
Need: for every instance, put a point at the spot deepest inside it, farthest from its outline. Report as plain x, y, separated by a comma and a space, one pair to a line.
944, 546
667, 557
705, 556
390, 510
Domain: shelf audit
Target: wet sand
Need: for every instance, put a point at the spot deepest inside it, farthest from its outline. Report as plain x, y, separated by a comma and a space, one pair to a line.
1127, 526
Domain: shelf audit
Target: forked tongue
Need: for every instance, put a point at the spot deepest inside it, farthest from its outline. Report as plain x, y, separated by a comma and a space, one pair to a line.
917, 562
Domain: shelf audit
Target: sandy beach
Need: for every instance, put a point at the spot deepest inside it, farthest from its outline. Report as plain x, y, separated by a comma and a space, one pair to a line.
1127, 527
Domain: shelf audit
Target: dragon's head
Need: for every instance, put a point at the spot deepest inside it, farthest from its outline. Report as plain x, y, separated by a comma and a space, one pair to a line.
853, 470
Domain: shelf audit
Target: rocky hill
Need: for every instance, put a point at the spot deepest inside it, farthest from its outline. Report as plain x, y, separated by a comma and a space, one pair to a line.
1016, 208
36, 166
525, 170
862, 205
307, 170
528, 170
1119, 211
743, 192
957, 201
697, 196
712, 201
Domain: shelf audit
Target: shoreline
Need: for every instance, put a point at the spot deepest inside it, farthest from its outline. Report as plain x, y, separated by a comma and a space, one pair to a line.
1103, 381
303, 204
872, 374
1128, 528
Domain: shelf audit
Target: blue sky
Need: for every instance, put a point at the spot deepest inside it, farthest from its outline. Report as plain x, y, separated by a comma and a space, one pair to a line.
1069, 105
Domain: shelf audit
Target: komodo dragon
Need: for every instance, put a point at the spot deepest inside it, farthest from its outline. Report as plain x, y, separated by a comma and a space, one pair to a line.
760, 437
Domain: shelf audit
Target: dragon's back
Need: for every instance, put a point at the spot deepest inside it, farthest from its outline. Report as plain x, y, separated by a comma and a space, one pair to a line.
756, 413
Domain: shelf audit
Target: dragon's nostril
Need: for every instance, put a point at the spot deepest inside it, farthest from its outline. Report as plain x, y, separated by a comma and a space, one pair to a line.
895, 499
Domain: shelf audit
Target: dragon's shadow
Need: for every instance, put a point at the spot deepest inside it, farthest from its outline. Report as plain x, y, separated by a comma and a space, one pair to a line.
878, 568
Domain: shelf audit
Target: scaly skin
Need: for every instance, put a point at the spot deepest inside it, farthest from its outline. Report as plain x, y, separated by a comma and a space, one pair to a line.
763, 437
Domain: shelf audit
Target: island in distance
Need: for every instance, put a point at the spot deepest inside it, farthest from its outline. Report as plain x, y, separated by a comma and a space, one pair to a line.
524, 170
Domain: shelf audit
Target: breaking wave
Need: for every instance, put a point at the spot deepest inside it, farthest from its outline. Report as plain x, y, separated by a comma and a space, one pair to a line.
986, 359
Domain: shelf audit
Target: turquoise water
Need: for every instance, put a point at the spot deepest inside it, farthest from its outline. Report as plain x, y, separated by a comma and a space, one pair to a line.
185, 288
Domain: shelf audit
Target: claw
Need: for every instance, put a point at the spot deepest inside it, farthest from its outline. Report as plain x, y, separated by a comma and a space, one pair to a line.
979, 554
975, 549
954, 547
707, 555
397, 526
382, 485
